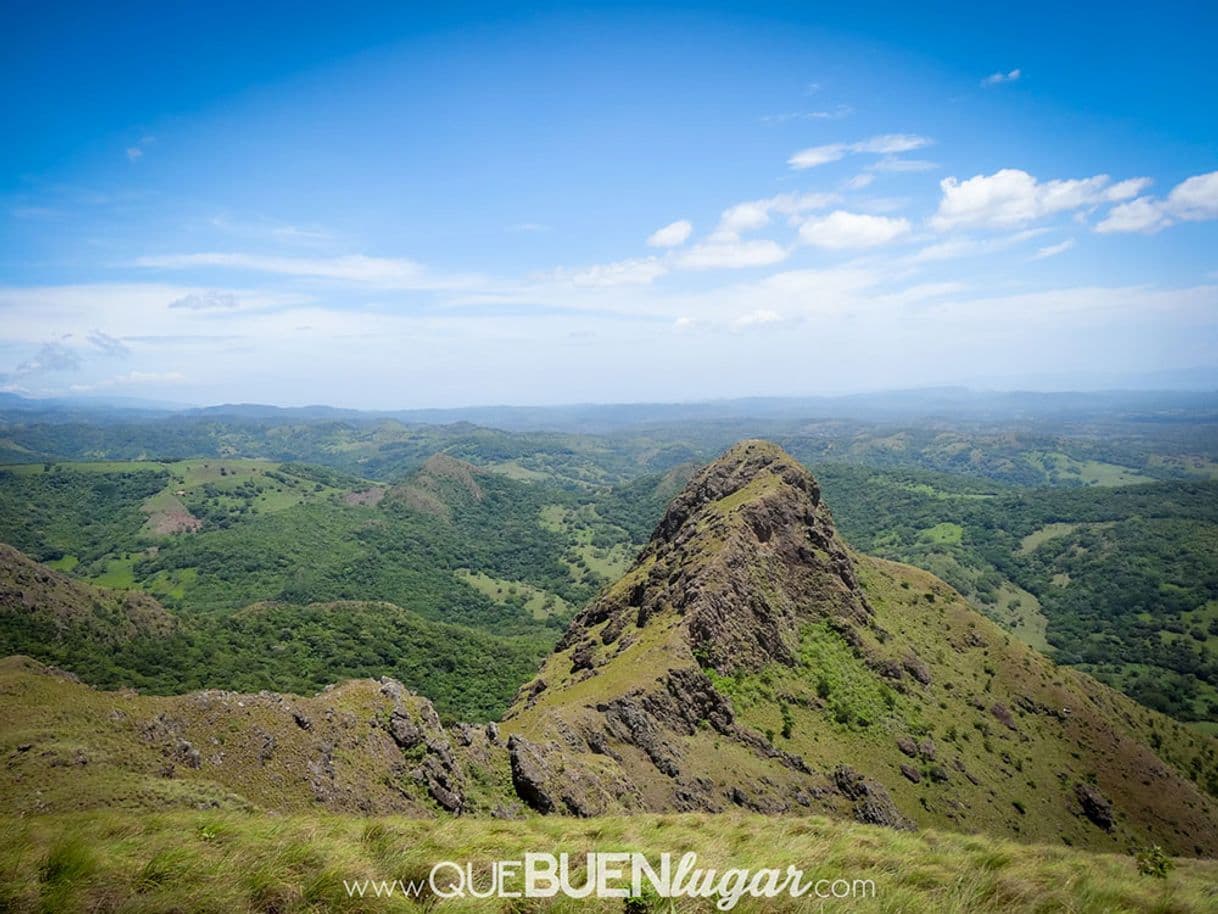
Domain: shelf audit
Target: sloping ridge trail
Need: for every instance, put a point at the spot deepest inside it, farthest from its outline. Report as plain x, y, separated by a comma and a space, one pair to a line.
750, 659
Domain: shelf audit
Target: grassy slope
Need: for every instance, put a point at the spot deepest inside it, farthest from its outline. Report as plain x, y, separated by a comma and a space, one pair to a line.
67, 748
1035, 764
232, 863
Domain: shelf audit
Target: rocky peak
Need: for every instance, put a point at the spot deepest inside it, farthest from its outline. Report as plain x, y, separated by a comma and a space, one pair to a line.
748, 463
744, 556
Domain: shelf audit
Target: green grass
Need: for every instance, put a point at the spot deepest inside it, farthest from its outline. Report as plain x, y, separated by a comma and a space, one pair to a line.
1062, 468
1037, 538
64, 563
944, 534
539, 603
233, 862
1020, 612
119, 573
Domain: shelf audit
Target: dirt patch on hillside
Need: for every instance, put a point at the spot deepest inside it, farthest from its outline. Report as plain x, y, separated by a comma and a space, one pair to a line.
368, 497
172, 518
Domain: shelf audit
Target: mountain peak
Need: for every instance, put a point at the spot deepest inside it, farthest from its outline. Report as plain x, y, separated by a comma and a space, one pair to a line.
751, 469
749, 658
745, 554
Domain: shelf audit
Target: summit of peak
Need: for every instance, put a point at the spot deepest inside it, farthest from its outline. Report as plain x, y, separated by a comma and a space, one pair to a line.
749, 470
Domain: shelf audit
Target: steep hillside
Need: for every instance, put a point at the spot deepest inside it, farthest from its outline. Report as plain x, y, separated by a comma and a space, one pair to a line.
66, 606
749, 659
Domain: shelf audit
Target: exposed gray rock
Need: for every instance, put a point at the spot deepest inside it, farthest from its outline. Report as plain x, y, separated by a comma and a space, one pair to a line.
1095, 806
872, 803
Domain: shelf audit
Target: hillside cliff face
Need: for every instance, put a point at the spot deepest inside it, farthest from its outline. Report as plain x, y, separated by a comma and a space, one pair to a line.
749, 659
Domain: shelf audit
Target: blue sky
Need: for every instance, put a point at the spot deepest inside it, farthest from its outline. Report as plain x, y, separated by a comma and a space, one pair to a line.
392, 207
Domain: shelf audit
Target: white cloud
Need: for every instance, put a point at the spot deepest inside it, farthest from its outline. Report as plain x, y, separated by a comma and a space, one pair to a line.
1127, 189
841, 230
859, 181
754, 214
818, 155
757, 318
954, 248
890, 143
1194, 200
897, 164
382, 272
1053, 250
206, 301
884, 144
1145, 214
732, 254
633, 272
831, 115
744, 217
995, 79
1011, 197
672, 235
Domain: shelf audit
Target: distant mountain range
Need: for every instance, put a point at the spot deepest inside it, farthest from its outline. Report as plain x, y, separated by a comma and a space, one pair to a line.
958, 403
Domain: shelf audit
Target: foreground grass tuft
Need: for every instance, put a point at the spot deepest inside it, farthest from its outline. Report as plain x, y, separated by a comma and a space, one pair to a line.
235, 862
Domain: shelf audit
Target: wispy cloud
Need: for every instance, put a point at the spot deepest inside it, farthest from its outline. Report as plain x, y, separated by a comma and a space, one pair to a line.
755, 214
383, 272
632, 272
51, 357
269, 230
672, 235
997, 79
884, 144
732, 254
206, 301
954, 248
1053, 250
135, 152
108, 345
832, 114
899, 165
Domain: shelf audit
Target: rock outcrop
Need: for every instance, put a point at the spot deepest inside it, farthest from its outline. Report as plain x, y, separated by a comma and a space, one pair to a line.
744, 557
